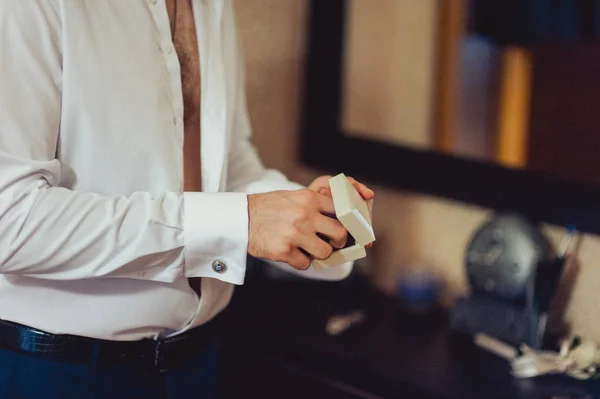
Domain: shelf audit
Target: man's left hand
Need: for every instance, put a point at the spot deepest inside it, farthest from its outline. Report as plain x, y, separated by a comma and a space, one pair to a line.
321, 185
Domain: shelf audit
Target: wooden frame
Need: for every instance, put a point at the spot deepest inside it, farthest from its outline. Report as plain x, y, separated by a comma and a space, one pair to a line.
325, 146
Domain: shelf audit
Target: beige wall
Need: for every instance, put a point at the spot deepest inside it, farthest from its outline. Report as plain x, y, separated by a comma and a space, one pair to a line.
411, 229
388, 95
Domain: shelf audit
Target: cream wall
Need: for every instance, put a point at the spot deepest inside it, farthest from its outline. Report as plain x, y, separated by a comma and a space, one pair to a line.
386, 93
411, 229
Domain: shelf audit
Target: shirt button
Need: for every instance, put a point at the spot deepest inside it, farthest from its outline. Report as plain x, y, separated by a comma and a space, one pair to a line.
167, 48
152, 1
219, 266
177, 121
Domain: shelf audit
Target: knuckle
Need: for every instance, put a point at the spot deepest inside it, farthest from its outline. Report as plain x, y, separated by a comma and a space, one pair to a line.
300, 263
300, 215
328, 251
290, 233
341, 233
305, 194
308, 196
285, 251
324, 252
304, 264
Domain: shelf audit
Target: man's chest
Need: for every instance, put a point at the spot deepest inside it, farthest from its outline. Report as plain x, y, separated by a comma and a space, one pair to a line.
183, 28
183, 31
126, 89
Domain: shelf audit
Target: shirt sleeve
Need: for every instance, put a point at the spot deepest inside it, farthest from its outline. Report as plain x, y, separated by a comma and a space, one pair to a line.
50, 232
246, 172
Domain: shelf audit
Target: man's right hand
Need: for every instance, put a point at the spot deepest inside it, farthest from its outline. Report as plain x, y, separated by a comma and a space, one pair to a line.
285, 227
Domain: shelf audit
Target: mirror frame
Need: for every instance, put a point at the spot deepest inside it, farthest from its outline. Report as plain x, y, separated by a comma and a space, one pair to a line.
326, 147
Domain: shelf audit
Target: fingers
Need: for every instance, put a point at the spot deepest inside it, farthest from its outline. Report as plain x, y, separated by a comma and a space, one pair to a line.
333, 230
363, 190
315, 233
284, 226
316, 247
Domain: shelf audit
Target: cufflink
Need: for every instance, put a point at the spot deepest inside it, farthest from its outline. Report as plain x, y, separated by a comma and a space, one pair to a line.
219, 266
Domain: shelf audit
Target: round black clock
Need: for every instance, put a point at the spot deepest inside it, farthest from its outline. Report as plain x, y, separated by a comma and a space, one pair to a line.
503, 255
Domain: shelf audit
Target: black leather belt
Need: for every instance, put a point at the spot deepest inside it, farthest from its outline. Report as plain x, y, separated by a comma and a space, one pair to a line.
160, 354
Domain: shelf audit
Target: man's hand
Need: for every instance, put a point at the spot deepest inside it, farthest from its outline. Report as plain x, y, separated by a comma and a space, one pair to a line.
321, 185
287, 226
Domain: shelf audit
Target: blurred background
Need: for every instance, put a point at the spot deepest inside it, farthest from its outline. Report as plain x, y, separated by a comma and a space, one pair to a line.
492, 90
511, 83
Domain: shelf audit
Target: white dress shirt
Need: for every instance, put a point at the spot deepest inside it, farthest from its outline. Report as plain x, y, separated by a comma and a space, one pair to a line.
97, 237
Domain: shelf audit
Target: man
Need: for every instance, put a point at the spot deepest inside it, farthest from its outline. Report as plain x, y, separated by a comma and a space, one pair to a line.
130, 196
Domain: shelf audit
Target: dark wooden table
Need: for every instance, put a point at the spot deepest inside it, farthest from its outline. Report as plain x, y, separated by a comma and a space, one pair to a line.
274, 345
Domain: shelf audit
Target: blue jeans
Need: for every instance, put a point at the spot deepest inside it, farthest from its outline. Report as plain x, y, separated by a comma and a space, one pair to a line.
24, 376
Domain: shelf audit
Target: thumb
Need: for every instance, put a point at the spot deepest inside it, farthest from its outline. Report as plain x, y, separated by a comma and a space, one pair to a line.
324, 191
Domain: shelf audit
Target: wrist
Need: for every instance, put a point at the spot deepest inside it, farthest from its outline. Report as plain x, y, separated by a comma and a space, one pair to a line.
251, 199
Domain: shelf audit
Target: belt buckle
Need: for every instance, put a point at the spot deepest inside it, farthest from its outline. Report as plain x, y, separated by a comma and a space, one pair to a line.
159, 356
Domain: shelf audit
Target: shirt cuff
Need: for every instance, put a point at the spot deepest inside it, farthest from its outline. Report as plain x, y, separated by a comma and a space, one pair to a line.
216, 235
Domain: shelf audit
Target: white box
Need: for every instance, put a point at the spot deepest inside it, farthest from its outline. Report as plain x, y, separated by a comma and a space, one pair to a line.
354, 213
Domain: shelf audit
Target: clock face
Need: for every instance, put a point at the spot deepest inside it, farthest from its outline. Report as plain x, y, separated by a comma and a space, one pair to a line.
502, 257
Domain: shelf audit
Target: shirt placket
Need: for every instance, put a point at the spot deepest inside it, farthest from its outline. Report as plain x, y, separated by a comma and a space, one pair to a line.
167, 47
158, 9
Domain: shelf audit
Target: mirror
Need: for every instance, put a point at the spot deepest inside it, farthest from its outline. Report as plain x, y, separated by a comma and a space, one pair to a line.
389, 71
487, 102
503, 82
